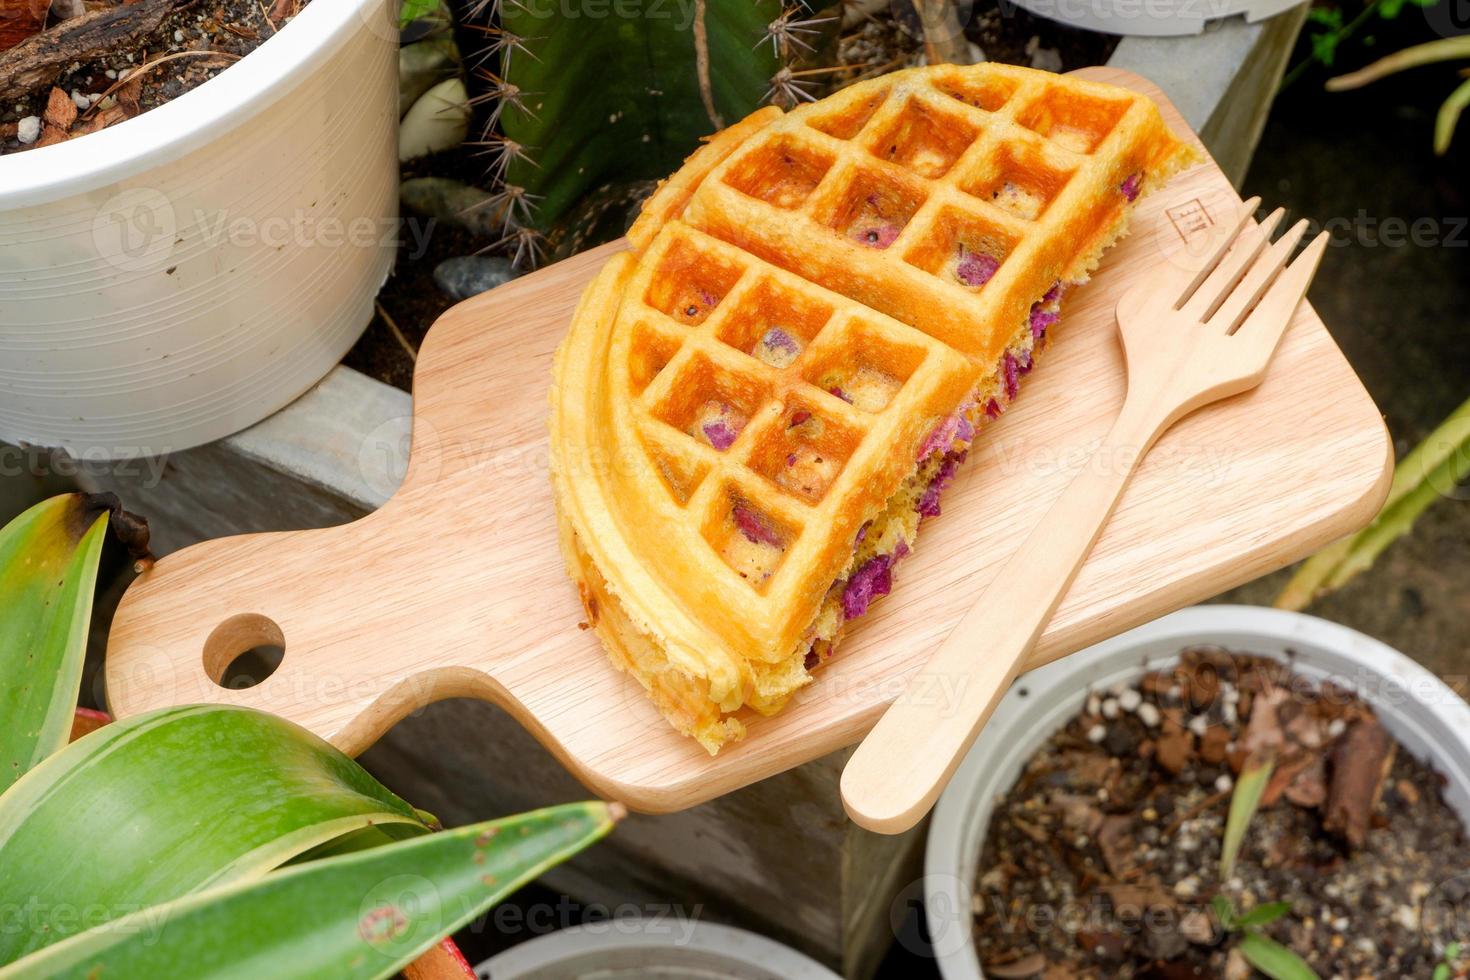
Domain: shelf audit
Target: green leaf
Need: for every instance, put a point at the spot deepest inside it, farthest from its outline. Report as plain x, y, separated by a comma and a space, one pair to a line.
413, 10
621, 97
1274, 959
1324, 47
1430, 471
1449, 117
1225, 912
361, 915
1328, 17
48, 568
1243, 804
1263, 914
1390, 9
1441, 972
149, 809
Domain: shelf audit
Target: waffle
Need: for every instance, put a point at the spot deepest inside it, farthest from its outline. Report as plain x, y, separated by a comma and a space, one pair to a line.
759, 403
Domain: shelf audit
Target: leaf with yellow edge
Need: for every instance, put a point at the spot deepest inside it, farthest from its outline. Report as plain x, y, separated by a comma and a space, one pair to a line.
48, 568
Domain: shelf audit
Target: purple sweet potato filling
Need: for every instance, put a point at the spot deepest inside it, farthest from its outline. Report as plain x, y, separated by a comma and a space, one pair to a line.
812, 659
720, 435
1131, 186
975, 268
1012, 370
993, 409
878, 236
928, 504
1054, 293
753, 527
836, 390
941, 435
874, 578
1040, 320
776, 339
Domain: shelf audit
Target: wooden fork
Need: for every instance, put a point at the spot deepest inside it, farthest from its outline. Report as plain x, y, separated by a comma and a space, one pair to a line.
1191, 335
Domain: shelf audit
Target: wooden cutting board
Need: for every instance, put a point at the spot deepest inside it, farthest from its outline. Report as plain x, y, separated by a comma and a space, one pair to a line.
456, 586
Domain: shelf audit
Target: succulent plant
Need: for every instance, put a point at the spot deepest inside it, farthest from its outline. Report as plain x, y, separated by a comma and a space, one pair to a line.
574, 100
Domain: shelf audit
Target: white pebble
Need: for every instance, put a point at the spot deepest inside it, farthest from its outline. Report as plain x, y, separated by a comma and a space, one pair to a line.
28, 130
1129, 700
1337, 727
1094, 705
1096, 734
1228, 713
178, 36
1198, 724
1110, 708
112, 73
81, 100
1224, 783
1148, 714
1230, 692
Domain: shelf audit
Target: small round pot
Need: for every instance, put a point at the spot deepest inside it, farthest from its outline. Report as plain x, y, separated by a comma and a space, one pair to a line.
622, 950
1428, 719
1152, 18
179, 276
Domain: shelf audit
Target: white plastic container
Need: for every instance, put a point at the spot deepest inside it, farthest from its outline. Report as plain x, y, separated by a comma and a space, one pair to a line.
1430, 720
1152, 18
637, 950
179, 276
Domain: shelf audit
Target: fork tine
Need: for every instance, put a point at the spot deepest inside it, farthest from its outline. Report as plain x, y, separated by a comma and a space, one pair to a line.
1268, 321
1220, 247
1232, 312
1215, 290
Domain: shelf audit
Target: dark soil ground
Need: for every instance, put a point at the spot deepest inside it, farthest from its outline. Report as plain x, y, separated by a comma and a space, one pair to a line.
1102, 861
190, 46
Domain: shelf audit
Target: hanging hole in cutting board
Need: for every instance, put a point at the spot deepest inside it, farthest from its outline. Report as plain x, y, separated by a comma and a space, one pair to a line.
243, 651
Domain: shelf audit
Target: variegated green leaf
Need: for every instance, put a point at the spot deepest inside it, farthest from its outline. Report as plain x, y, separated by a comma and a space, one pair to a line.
353, 917
152, 808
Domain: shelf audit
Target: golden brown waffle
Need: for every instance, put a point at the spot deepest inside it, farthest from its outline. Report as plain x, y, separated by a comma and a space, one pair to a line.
820, 306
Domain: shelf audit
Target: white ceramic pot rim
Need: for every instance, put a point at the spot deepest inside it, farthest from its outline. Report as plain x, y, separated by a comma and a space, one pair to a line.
193, 119
1417, 707
750, 950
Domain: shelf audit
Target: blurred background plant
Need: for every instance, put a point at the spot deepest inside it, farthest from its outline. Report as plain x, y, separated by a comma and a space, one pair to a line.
1431, 52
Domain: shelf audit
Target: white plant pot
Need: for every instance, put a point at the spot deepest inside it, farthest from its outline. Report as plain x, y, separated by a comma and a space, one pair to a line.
179, 276
1430, 720
636, 950
1152, 18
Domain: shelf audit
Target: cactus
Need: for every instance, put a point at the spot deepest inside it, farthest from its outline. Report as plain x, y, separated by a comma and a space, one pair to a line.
571, 101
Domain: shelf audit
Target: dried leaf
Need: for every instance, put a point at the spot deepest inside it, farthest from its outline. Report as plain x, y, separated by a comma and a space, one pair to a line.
1026, 966
1360, 762
61, 111
19, 19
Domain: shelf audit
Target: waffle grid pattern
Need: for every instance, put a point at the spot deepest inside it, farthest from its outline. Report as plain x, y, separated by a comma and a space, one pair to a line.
1011, 173
982, 161
684, 362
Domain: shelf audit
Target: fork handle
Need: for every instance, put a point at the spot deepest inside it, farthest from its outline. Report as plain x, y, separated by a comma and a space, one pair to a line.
898, 771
